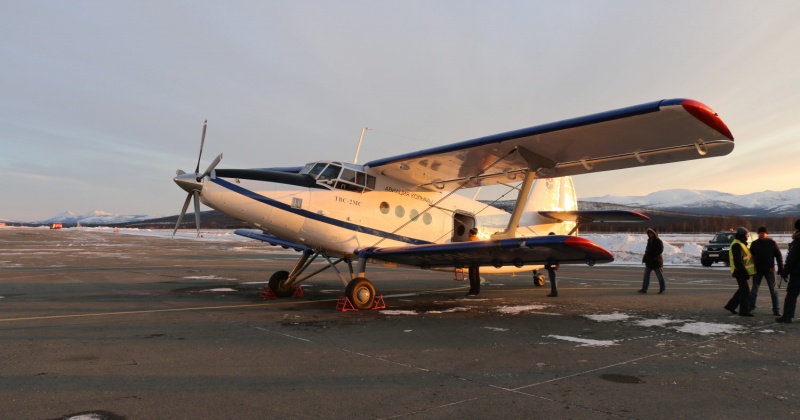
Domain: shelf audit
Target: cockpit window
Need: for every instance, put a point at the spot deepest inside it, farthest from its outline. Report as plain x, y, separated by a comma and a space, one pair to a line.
343, 176
316, 169
331, 172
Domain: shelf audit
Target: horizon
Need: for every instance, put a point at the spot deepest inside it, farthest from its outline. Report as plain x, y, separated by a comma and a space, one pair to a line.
151, 216
103, 102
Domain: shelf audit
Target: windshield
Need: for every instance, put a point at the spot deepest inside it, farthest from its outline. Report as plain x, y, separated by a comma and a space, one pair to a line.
722, 238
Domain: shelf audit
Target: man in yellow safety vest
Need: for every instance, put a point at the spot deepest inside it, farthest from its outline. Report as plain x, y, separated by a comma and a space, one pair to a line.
742, 267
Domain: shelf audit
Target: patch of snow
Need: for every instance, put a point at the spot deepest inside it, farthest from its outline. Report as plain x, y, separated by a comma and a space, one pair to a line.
660, 322
398, 312
616, 316
707, 328
585, 342
519, 309
449, 311
208, 278
496, 329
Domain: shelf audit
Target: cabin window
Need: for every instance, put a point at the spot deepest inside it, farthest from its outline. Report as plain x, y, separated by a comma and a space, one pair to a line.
370, 182
427, 218
349, 175
399, 211
413, 214
384, 207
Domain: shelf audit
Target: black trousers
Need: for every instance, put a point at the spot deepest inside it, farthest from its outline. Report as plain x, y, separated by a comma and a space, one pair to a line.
792, 291
742, 296
474, 281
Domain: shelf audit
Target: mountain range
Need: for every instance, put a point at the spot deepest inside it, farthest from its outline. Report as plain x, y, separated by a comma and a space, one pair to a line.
701, 202
708, 202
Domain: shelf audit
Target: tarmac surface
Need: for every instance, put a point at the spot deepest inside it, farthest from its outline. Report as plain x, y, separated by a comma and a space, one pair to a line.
126, 326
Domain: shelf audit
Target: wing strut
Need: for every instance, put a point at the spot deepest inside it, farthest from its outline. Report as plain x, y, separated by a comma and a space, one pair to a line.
536, 164
434, 205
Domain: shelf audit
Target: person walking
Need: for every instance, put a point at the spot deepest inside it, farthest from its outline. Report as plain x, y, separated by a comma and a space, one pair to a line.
765, 252
653, 261
742, 267
792, 269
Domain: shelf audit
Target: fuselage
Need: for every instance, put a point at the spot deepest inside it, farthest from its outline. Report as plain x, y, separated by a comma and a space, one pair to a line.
341, 217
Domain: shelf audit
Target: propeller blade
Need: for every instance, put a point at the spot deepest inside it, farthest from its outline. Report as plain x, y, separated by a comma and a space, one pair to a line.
202, 141
183, 212
196, 211
210, 167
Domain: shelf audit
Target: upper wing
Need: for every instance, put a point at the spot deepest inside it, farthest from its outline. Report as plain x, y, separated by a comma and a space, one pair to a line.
498, 253
665, 131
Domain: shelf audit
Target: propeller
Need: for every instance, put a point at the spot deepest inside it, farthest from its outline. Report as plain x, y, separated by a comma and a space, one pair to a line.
193, 184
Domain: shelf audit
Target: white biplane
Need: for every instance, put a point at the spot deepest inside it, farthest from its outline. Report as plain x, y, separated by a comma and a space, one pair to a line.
404, 210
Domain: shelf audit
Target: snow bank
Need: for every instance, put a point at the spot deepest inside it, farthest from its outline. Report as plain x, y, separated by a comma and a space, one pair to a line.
629, 249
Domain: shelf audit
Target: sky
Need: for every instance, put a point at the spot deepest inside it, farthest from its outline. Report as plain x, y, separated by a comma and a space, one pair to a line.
102, 101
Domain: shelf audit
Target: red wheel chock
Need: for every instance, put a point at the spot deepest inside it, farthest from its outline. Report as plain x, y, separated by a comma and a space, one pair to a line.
379, 303
456, 272
267, 293
345, 305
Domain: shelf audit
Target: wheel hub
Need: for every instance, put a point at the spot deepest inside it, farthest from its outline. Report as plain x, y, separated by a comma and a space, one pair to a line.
363, 294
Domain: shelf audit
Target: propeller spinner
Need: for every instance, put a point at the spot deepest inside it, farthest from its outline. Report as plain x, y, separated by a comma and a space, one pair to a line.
193, 184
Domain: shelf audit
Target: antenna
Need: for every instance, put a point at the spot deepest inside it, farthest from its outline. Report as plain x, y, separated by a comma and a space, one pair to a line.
360, 139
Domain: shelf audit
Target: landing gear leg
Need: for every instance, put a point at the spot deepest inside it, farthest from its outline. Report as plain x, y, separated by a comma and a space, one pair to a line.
283, 283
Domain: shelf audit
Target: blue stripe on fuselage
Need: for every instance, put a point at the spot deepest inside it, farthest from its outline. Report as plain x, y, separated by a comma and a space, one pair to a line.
314, 216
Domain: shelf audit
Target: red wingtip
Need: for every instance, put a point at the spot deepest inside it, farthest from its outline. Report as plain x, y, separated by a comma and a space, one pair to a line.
589, 247
707, 116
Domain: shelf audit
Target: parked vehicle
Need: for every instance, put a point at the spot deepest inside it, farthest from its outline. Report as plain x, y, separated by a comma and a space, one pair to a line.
717, 249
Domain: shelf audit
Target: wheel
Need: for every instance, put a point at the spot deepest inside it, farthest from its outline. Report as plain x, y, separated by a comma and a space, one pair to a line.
705, 262
361, 293
538, 280
279, 285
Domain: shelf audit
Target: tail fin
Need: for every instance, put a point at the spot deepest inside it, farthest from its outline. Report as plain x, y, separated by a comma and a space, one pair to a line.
548, 194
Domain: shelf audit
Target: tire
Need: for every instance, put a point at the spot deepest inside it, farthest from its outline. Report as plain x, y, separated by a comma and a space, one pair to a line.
539, 280
278, 284
361, 293
705, 262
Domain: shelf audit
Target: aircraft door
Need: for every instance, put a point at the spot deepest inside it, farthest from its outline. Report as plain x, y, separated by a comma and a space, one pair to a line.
462, 223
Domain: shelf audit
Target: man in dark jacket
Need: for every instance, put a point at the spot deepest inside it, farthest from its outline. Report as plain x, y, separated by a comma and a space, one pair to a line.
742, 267
653, 261
765, 252
792, 269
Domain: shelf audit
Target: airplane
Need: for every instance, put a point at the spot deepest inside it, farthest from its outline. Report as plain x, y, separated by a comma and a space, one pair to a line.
405, 210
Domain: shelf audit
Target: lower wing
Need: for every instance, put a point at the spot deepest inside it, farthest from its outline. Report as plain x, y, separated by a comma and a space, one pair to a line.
272, 240
516, 252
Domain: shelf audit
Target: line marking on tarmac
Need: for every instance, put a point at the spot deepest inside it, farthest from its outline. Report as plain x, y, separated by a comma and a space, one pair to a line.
199, 308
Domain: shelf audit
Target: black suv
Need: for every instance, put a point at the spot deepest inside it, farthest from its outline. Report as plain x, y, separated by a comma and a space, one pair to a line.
717, 249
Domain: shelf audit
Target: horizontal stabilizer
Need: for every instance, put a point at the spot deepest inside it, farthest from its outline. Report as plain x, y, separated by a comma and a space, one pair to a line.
272, 240
498, 253
595, 216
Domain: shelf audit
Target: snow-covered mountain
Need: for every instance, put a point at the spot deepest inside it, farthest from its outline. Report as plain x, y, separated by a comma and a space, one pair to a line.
93, 218
765, 203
